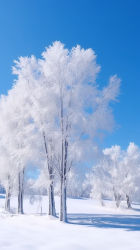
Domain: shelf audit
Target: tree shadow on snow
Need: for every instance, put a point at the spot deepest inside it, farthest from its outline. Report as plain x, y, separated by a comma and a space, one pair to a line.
136, 209
2, 196
128, 222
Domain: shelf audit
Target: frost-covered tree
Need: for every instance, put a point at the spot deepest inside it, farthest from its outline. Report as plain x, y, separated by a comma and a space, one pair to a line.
7, 170
31, 82
6, 174
131, 172
67, 108
124, 171
15, 135
79, 108
117, 174
100, 180
114, 157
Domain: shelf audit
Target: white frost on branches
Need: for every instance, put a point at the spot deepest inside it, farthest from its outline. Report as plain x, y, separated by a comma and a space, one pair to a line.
53, 114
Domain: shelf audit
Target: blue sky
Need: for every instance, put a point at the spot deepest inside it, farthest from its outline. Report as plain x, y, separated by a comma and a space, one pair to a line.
110, 28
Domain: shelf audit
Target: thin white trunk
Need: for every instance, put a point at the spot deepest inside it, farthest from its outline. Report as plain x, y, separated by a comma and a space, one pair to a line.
64, 204
51, 208
63, 199
63, 193
8, 196
20, 191
7, 200
102, 201
63, 170
117, 199
128, 201
65, 183
51, 200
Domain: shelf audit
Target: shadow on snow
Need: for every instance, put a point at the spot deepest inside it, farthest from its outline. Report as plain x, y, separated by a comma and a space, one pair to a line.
2, 196
128, 222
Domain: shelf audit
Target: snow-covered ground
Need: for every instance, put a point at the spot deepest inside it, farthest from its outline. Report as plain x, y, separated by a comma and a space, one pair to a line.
89, 226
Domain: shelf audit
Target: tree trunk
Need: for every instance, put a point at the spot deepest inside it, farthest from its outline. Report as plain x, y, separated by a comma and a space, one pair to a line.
128, 201
51, 200
117, 199
102, 201
65, 184
63, 188
7, 200
51, 187
63, 170
63, 201
8, 196
20, 191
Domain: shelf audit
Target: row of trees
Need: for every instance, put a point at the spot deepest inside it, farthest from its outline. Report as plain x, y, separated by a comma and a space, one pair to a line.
115, 176
49, 120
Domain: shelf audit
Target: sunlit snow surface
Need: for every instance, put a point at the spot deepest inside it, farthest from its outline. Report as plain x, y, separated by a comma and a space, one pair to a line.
89, 226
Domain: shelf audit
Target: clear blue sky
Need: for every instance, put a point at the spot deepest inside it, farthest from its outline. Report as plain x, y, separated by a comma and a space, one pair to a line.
110, 27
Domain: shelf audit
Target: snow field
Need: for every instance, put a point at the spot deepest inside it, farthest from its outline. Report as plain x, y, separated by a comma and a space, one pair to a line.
89, 226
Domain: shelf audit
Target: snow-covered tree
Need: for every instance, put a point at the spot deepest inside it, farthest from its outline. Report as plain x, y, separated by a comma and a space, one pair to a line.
131, 172
114, 157
67, 108
6, 174
117, 174
100, 180
15, 137
79, 108
31, 82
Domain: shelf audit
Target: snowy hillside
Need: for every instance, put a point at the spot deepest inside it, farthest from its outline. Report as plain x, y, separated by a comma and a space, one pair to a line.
89, 226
